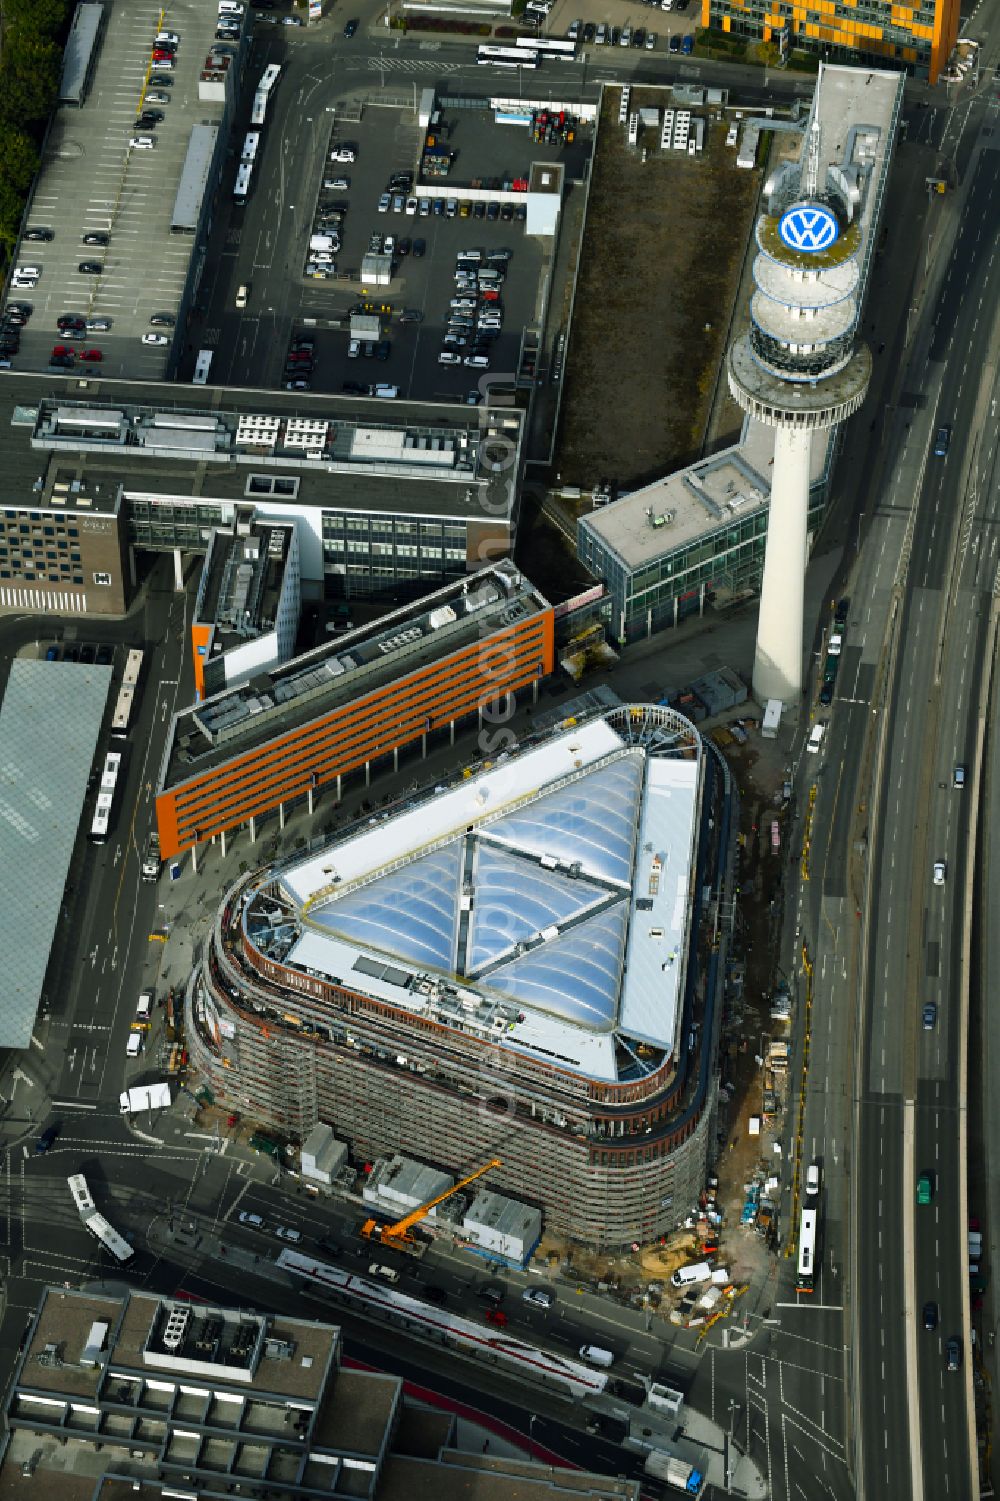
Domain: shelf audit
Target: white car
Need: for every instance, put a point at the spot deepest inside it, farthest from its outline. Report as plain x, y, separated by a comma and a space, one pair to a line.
411, 206
142, 143
337, 184
155, 98
27, 273
134, 1045
940, 871
286, 1232
253, 1220
170, 37
156, 339
815, 738
447, 358
539, 1295
354, 349
342, 154
383, 203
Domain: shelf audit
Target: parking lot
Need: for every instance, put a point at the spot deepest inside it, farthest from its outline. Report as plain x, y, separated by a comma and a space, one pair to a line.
285, 300
92, 182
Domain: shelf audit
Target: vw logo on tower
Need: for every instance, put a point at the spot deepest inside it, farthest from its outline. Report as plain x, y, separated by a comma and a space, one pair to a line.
808, 228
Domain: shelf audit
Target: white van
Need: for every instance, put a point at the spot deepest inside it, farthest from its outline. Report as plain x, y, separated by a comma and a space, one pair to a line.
689, 1276
387, 393
815, 738
596, 1355
812, 1179
134, 1045
144, 1009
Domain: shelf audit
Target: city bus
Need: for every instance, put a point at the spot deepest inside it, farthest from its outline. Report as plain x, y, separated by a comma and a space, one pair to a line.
507, 57
122, 717
547, 46
202, 366
805, 1282
250, 145
241, 190
96, 1223
101, 821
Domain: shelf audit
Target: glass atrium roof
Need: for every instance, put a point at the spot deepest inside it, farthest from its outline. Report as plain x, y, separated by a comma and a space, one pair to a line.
577, 975
411, 912
515, 899
592, 820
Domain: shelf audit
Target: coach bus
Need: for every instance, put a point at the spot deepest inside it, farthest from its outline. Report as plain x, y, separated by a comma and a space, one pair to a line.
507, 57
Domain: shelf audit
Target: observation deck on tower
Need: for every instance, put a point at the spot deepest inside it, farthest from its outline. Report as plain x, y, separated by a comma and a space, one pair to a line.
798, 365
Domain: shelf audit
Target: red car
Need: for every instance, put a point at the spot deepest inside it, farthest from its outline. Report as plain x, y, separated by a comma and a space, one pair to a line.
62, 349
159, 56
91, 354
490, 296
496, 1317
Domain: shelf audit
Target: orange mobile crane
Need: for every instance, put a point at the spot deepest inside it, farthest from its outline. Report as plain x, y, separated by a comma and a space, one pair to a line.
398, 1233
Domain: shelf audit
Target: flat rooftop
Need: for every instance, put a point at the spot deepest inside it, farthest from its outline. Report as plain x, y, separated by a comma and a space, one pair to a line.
242, 581
682, 507
544, 903
194, 443
338, 672
50, 721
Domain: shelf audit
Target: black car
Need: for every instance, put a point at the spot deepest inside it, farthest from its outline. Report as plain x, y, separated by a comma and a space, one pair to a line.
13, 319
90, 268
162, 320
151, 117
161, 81
96, 237
826, 694
39, 234
841, 616
953, 1353
71, 654
104, 656
70, 320
383, 349
521, 212
24, 308
589, 32
639, 37
87, 653
354, 388
47, 1138
493, 1292
675, 43
930, 1316
403, 247
419, 249
350, 28
62, 361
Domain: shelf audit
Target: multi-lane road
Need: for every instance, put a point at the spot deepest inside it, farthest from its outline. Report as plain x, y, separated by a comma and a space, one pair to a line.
886, 1097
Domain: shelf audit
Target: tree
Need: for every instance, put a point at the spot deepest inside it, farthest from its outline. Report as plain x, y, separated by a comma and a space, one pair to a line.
29, 76
33, 18
18, 156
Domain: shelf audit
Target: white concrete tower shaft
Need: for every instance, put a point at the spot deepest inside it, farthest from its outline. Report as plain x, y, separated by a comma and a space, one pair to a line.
797, 370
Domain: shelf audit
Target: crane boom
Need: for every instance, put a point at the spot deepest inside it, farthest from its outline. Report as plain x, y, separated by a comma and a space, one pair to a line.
398, 1233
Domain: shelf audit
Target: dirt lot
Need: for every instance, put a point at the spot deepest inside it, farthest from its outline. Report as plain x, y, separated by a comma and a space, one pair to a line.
663, 251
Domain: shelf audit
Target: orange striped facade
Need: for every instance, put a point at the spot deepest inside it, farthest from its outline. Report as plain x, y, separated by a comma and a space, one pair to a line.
256, 781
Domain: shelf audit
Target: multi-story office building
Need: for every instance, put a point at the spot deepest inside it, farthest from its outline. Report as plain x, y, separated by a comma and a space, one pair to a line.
348, 705
523, 965
918, 36
388, 499
115, 1396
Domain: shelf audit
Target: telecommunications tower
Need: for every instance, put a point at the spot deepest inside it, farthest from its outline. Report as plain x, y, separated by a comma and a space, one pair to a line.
798, 370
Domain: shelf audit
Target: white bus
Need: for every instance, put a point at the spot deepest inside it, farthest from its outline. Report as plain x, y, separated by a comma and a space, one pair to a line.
122, 717
259, 111
241, 191
553, 46
96, 1223
202, 366
250, 145
805, 1282
507, 57
101, 821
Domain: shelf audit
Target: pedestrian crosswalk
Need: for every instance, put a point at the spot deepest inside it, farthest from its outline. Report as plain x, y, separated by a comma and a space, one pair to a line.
411, 65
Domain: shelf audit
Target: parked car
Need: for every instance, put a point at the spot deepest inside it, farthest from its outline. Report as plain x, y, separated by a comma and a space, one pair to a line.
162, 320
39, 234
93, 356
159, 340
350, 29
142, 143
541, 1296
